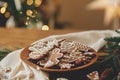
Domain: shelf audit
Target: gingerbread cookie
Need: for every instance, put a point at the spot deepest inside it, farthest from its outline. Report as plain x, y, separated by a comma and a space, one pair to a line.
93, 75
60, 54
81, 47
67, 46
71, 57
73, 46
65, 65
40, 49
52, 59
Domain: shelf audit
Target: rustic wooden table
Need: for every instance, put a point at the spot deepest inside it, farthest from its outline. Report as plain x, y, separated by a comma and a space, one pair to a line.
20, 38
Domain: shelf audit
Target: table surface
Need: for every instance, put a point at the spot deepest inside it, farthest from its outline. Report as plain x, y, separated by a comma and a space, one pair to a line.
20, 38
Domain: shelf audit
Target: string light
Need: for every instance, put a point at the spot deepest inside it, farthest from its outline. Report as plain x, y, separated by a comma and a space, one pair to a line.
38, 3
2, 10
29, 12
29, 2
45, 28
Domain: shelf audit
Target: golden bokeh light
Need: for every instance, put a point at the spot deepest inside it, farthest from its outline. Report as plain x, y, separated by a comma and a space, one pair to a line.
29, 12
27, 18
36, 12
20, 12
38, 3
26, 23
29, 2
45, 27
5, 5
7, 14
2, 10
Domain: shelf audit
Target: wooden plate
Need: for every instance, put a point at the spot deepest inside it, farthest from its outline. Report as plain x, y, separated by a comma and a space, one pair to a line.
25, 53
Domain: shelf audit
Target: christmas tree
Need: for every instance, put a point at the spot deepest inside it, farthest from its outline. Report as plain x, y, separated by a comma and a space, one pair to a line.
27, 13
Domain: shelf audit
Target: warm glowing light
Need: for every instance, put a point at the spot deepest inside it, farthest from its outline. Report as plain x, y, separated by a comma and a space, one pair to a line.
35, 12
7, 14
26, 23
20, 12
45, 28
38, 3
29, 12
37, 20
2, 10
29, 2
27, 18
5, 5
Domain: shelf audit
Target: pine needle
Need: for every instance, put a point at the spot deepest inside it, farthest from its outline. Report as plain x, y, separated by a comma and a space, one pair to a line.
4, 52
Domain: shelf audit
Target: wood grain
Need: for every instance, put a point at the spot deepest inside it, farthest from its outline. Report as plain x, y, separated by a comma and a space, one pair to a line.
20, 38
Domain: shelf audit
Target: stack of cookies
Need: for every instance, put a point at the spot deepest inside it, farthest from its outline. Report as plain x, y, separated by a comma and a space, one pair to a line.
60, 54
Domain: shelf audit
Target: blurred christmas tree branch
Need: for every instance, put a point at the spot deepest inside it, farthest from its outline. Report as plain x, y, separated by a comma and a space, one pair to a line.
111, 61
4, 52
113, 44
108, 64
30, 13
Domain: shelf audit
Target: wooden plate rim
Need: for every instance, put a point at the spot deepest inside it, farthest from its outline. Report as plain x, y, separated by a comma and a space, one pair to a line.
24, 57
